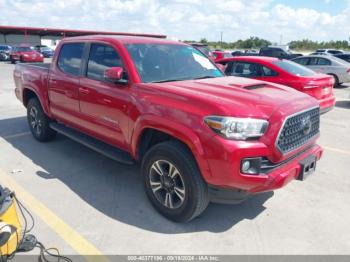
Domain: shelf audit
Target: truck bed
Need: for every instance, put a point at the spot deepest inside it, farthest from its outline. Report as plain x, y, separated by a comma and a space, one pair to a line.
39, 65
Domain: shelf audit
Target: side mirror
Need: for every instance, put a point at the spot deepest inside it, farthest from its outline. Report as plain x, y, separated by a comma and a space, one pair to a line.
114, 74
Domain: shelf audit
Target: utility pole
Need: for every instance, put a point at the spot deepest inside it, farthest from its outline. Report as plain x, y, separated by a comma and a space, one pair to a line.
221, 33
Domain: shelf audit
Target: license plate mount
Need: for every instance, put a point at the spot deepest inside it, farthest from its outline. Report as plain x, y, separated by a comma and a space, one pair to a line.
308, 166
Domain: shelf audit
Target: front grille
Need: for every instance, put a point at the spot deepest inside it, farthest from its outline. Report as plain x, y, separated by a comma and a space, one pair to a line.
298, 129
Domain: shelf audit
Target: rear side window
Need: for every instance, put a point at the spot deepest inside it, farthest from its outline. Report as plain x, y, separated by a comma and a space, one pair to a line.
323, 61
294, 68
101, 58
69, 60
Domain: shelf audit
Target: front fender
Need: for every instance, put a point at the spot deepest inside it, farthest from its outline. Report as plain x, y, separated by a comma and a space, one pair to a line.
176, 130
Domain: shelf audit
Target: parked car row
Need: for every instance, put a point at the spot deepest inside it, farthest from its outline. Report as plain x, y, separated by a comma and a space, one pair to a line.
24, 53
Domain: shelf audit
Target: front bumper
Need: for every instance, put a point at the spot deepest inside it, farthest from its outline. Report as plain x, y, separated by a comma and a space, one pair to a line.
226, 174
32, 59
27, 58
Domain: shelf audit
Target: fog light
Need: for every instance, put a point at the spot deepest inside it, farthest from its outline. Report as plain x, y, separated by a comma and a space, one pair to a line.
251, 166
245, 166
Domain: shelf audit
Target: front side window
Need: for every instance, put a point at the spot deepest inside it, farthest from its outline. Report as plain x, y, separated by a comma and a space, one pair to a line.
101, 58
294, 68
301, 61
171, 62
69, 59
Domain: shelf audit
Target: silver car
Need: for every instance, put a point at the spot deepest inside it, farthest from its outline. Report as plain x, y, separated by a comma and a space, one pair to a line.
329, 65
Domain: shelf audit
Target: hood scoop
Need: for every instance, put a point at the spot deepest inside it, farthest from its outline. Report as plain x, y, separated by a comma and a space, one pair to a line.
253, 87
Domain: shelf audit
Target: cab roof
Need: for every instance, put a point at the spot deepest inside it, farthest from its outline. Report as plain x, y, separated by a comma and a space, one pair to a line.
124, 39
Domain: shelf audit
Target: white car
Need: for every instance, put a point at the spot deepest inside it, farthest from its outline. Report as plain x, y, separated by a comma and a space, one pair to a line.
329, 65
328, 51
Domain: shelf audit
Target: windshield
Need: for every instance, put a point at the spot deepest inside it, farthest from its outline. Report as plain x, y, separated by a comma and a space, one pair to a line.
171, 62
45, 48
294, 68
23, 49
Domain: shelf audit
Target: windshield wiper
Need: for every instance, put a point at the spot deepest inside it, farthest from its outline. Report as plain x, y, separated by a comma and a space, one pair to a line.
182, 79
204, 77
168, 80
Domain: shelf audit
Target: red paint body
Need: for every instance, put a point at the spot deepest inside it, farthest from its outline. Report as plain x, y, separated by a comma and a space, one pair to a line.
322, 84
119, 114
25, 55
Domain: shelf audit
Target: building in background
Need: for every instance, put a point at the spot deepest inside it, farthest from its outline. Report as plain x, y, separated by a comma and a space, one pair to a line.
14, 35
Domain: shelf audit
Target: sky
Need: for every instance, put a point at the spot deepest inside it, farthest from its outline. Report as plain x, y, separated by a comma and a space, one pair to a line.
274, 20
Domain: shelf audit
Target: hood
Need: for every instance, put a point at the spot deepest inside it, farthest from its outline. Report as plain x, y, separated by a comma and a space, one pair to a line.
234, 96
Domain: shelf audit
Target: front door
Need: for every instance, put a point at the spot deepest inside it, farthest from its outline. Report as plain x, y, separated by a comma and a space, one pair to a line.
104, 105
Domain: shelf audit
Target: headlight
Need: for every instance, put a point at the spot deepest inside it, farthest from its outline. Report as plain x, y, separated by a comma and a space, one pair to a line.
25, 55
237, 128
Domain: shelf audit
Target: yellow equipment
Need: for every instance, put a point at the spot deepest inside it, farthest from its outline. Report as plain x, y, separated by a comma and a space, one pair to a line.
10, 225
14, 237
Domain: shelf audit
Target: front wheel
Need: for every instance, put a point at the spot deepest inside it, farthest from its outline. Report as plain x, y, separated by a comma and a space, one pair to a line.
39, 123
173, 182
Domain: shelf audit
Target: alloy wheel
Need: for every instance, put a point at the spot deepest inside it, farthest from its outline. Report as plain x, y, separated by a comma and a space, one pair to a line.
167, 184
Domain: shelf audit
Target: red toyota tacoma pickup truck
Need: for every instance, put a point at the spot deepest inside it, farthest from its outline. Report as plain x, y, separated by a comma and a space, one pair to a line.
199, 136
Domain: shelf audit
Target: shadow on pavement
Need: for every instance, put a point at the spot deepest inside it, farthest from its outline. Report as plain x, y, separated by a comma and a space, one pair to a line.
116, 190
343, 104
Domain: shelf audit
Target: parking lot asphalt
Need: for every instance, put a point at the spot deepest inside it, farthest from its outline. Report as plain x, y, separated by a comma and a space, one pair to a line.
84, 203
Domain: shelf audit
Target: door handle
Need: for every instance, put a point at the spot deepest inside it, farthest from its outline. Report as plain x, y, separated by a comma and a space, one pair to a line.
84, 91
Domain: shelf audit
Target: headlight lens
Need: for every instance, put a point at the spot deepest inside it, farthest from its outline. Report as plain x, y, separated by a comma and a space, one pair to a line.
237, 128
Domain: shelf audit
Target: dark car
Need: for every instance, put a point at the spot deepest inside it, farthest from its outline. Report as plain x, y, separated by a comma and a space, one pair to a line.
5, 51
345, 57
44, 50
277, 52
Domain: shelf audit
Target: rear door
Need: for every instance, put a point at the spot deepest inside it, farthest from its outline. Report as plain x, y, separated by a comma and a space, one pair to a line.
103, 104
64, 83
319, 64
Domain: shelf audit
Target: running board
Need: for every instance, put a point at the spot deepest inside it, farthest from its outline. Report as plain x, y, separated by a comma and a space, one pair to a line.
90, 142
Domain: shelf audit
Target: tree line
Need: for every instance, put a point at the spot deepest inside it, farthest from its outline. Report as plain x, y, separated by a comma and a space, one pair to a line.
257, 43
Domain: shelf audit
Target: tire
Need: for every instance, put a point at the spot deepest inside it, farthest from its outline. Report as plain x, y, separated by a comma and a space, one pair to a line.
38, 122
336, 81
181, 197
13, 61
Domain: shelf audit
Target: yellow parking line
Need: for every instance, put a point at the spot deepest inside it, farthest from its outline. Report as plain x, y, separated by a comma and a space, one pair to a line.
336, 150
68, 234
16, 135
